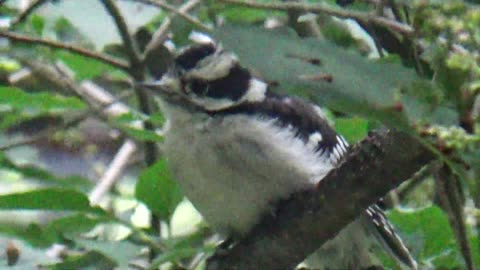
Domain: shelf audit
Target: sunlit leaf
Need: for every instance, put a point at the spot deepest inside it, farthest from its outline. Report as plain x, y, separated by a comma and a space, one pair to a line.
353, 129
157, 190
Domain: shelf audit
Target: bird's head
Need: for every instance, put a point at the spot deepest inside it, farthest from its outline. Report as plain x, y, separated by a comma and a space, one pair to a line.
207, 78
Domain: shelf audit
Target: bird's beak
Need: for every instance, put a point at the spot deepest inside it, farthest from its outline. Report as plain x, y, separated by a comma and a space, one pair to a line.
165, 87
169, 89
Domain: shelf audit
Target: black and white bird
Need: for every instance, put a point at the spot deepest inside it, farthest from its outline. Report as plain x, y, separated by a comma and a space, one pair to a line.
236, 148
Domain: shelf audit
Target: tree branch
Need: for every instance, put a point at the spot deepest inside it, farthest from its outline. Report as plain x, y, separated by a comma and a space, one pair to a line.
161, 34
179, 12
114, 171
64, 46
321, 8
136, 65
28, 10
308, 219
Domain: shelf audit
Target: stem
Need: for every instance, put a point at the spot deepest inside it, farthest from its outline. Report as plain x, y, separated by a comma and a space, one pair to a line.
24, 14
179, 12
321, 8
64, 46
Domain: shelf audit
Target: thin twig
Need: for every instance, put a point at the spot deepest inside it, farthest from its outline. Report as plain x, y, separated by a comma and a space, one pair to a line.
161, 34
115, 169
179, 12
128, 42
417, 179
321, 8
25, 13
64, 46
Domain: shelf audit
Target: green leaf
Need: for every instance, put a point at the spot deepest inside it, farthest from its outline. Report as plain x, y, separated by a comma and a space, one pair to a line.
84, 68
120, 252
124, 123
37, 23
46, 199
43, 102
353, 129
157, 190
67, 32
44, 176
76, 223
430, 234
344, 81
34, 234
141, 134
55, 231
93, 259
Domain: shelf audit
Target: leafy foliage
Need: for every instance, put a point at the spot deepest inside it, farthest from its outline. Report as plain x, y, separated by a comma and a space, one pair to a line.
157, 189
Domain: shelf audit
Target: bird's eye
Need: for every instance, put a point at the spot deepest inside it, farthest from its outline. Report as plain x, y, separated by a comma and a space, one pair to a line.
184, 86
200, 88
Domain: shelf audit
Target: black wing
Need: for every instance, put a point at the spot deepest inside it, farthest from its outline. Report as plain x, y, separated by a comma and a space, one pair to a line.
303, 117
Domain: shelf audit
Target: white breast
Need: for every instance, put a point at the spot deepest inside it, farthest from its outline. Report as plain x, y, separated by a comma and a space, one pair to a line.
234, 168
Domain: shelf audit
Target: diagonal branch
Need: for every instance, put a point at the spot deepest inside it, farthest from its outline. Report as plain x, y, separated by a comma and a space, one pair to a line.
322, 8
28, 10
64, 46
136, 65
308, 219
160, 34
179, 12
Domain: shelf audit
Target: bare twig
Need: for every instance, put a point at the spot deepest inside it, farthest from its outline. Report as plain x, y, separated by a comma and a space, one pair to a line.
321, 8
418, 178
136, 66
449, 197
25, 13
179, 12
161, 34
310, 218
115, 168
91, 95
64, 46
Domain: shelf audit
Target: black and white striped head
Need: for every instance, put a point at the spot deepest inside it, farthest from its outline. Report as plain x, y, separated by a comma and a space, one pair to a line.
206, 77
